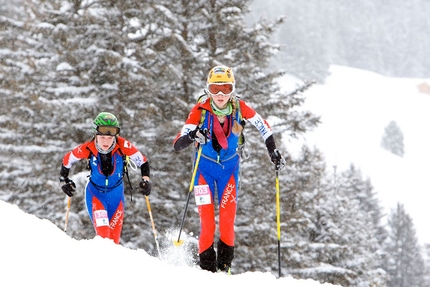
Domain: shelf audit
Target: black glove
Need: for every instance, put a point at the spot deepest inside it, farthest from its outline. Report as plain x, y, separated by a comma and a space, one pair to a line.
145, 187
198, 135
277, 159
69, 187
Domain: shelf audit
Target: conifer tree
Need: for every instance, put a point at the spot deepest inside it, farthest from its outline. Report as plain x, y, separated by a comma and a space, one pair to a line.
341, 245
392, 140
404, 265
358, 221
427, 264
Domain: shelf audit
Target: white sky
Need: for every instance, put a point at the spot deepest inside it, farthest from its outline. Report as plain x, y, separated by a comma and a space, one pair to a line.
35, 252
355, 107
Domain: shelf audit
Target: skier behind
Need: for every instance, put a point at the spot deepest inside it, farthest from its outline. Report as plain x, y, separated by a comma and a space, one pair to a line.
215, 124
104, 195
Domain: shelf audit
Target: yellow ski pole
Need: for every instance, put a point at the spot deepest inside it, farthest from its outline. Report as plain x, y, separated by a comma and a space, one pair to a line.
278, 218
69, 202
179, 242
153, 225
278, 167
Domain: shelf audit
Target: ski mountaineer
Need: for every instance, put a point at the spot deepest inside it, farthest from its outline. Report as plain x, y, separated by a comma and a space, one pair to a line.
104, 192
214, 125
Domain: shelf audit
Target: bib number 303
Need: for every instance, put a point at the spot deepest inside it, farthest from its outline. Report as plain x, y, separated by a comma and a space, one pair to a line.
202, 194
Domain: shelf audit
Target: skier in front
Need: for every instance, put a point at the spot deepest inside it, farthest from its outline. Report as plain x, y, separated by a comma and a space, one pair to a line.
215, 125
104, 195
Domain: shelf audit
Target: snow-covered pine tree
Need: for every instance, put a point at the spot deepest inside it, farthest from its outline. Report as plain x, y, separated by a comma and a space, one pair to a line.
392, 139
427, 264
343, 247
404, 263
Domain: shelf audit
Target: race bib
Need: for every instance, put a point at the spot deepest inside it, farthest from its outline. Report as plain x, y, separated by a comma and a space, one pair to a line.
101, 218
202, 194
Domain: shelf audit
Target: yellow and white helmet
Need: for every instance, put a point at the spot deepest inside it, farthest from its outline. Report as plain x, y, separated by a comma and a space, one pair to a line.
220, 80
220, 74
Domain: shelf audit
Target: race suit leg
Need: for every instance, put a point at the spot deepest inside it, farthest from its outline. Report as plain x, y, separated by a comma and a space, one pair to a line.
227, 195
207, 218
106, 210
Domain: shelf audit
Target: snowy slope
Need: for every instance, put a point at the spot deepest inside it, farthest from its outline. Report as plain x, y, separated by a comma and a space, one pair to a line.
355, 107
35, 252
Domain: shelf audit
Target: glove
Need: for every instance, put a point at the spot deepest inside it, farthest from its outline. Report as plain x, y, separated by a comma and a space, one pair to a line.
277, 159
145, 187
69, 187
198, 135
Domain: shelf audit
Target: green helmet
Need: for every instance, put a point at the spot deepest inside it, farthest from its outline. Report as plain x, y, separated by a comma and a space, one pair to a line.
105, 119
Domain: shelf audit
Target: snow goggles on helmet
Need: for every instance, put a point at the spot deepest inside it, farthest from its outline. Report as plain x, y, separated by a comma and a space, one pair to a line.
224, 89
107, 131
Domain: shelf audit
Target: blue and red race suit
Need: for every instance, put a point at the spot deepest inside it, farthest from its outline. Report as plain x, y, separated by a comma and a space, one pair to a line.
219, 168
104, 194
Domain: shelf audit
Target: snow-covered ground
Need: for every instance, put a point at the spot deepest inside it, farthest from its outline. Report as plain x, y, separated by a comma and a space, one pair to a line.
355, 107
35, 252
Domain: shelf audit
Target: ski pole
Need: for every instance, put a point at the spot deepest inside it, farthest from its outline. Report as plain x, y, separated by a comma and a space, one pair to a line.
180, 242
69, 202
278, 215
153, 225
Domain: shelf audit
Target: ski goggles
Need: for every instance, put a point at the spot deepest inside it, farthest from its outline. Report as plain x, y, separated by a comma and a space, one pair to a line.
224, 89
107, 131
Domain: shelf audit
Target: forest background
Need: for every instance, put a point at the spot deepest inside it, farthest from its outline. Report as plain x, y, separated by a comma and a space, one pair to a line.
62, 62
